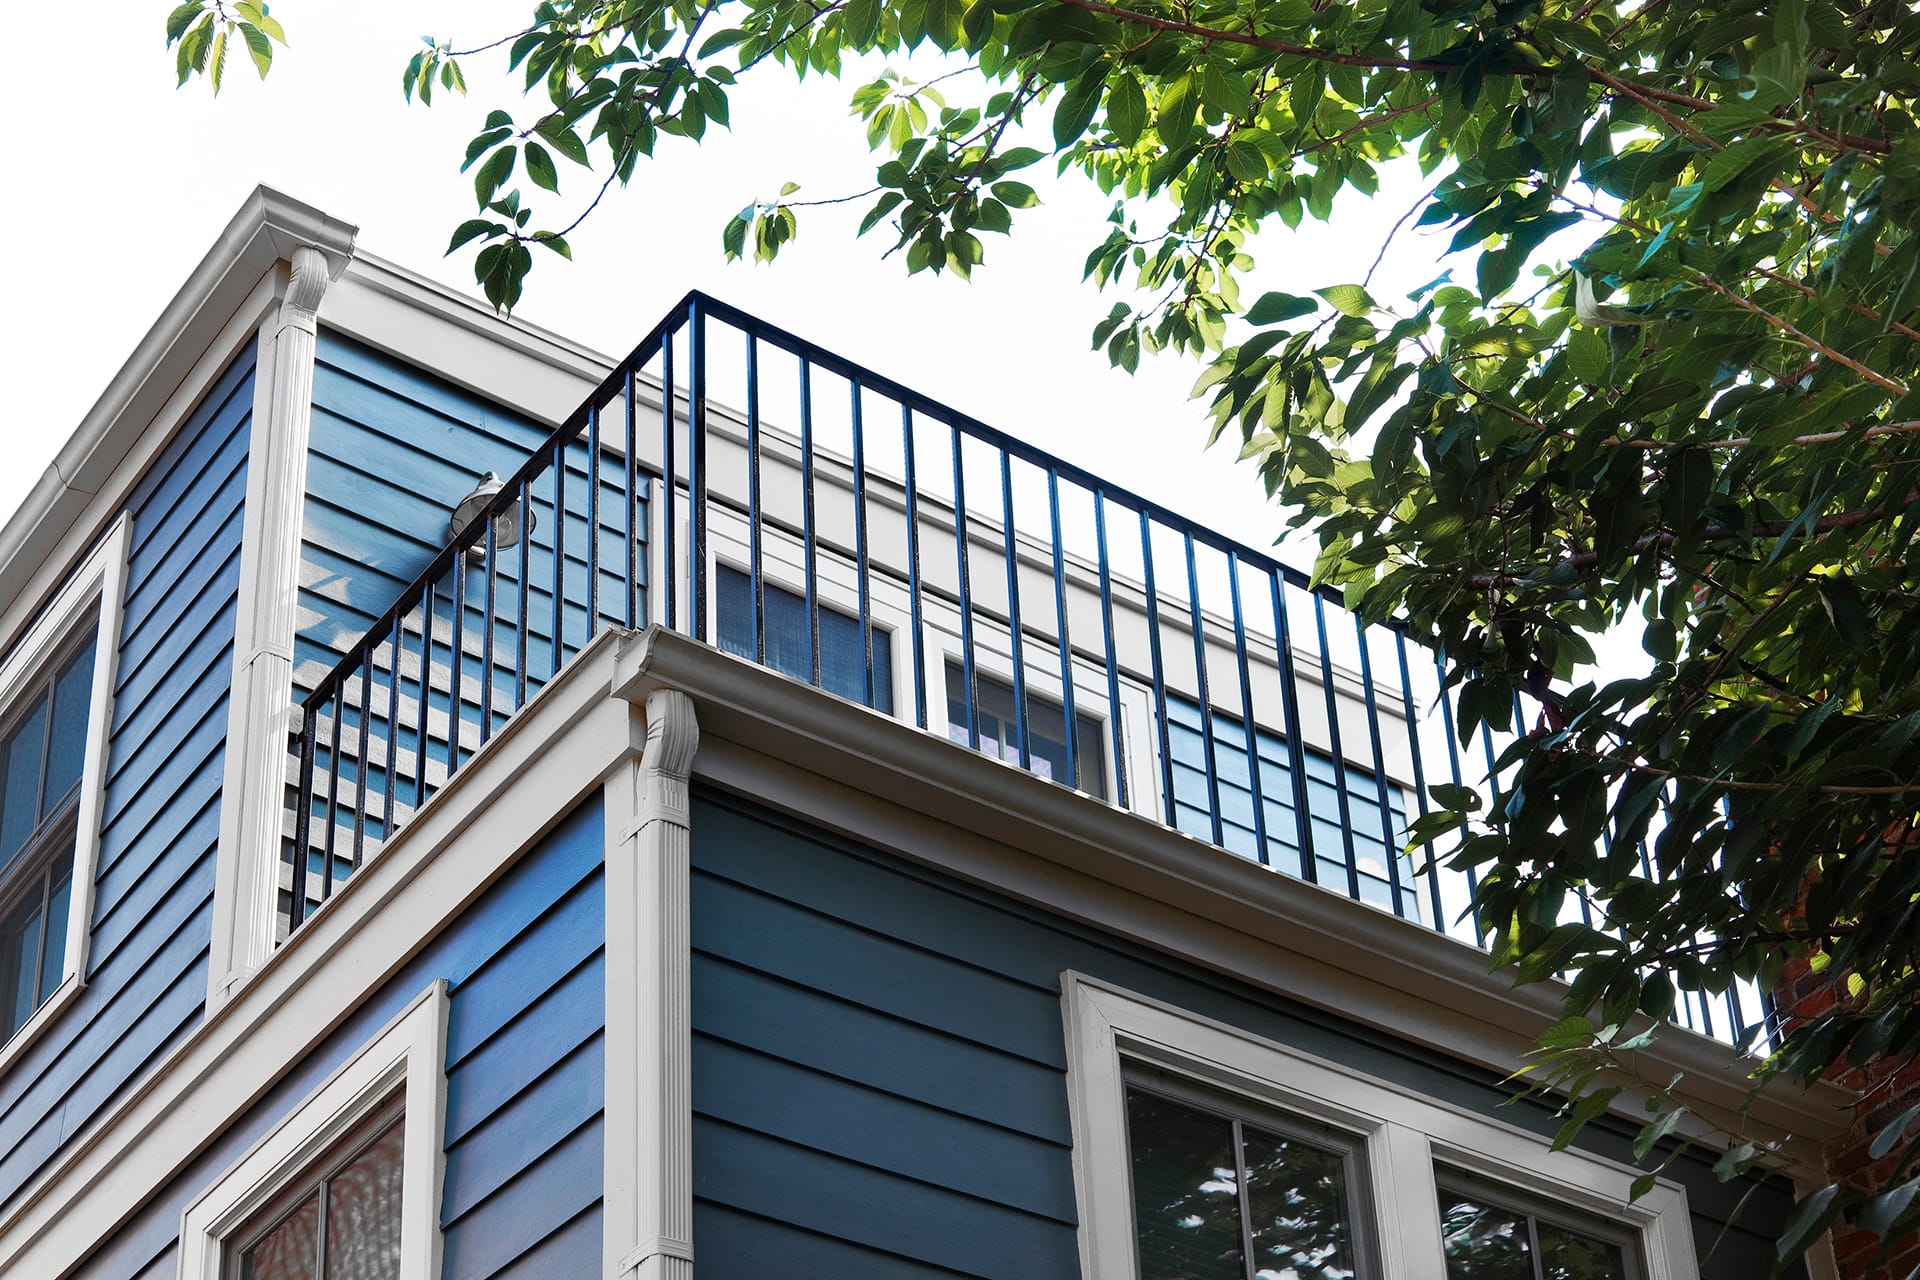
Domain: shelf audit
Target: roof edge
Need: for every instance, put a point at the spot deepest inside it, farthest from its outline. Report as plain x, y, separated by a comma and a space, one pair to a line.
268, 227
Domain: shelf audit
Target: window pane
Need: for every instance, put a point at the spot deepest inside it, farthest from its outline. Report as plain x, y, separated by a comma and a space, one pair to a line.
71, 694
20, 935
1483, 1242
290, 1250
19, 803
53, 944
789, 642
1186, 1199
1046, 729
1568, 1255
1297, 1196
363, 1213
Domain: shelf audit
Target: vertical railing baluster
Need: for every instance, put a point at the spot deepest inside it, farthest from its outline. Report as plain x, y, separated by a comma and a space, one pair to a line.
303, 817
1388, 833
360, 758
1254, 787
521, 575
421, 739
697, 470
333, 784
393, 727
1459, 780
808, 550
1296, 742
1113, 665
1335, 750
559, 557
456, 682
966, 591
668, 482
860, 541
1196, 626
1419, 776
913, 570
1066, 642
593, 521
1015, 633
756, 583
490, 553
631, 568
1159, 672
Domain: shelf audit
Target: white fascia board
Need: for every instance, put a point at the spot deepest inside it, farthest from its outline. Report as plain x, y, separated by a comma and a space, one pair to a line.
887, 784
215, 311
531, 774
522, 367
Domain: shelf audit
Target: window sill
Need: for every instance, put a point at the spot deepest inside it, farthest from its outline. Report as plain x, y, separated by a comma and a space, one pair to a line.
17, 1044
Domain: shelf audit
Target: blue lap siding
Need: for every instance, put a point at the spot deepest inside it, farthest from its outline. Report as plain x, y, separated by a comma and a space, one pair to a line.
525, 966
879, 1070
146, 975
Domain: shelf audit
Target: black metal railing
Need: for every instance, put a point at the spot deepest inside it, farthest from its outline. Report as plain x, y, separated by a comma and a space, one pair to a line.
1017, 603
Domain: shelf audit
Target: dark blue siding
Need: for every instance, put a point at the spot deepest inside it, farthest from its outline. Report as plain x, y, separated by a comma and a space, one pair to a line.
525, 1062
147, 966
879, 1080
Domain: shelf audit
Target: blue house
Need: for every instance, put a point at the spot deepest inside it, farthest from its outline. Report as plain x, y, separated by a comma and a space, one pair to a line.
477, 808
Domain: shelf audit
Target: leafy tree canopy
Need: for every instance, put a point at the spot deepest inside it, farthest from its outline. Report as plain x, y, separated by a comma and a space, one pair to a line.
1705, 420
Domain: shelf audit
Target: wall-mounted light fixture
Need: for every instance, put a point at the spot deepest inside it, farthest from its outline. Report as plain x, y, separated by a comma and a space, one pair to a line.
506, 524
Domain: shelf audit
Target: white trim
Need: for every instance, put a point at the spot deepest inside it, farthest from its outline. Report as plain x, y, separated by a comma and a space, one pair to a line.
648, 1221
101, 578
260, 706
409, 1054
1402, 1133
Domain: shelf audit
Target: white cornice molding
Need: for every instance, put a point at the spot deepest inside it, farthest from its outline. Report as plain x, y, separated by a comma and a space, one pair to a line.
188, 345
887, 784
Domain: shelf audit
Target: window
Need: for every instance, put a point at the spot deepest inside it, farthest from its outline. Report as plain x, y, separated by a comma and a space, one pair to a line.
1046, 730
341, 1219
789, 639
347, 1185
55, 695
1219, 1193
1204, 1153
1490, 1234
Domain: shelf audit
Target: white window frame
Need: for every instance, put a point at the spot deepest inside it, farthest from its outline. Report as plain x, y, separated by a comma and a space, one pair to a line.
102, 579
1402, 1133
409, 1055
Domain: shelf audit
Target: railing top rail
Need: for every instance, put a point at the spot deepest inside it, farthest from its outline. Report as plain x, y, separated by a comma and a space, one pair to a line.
813, 353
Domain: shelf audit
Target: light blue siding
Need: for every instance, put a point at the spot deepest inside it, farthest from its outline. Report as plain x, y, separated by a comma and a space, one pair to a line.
879, 1083
147, 967
525, 1054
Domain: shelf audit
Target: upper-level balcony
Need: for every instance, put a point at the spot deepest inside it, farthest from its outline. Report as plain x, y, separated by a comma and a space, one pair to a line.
735, 483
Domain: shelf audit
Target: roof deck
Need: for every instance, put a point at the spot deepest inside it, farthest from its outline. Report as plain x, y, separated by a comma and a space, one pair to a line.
858, 536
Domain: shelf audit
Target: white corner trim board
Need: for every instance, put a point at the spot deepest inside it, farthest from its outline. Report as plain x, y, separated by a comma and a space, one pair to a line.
407, 1057
260, 709
1402, 1134
649, 1098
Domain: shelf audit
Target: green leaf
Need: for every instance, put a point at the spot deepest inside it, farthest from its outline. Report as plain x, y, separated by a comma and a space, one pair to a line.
1015, 195
1076, 106
1174, 120
1588, 355
1126, 109
473, 228
1656, 1132
490, 176
1882, 1211
1274, 308
1809, 1218
1348, 299
556, 243
540, 167
259, 48
563, 139
181, 18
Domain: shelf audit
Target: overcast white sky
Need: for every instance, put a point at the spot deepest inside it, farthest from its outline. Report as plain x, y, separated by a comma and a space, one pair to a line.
121, 181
